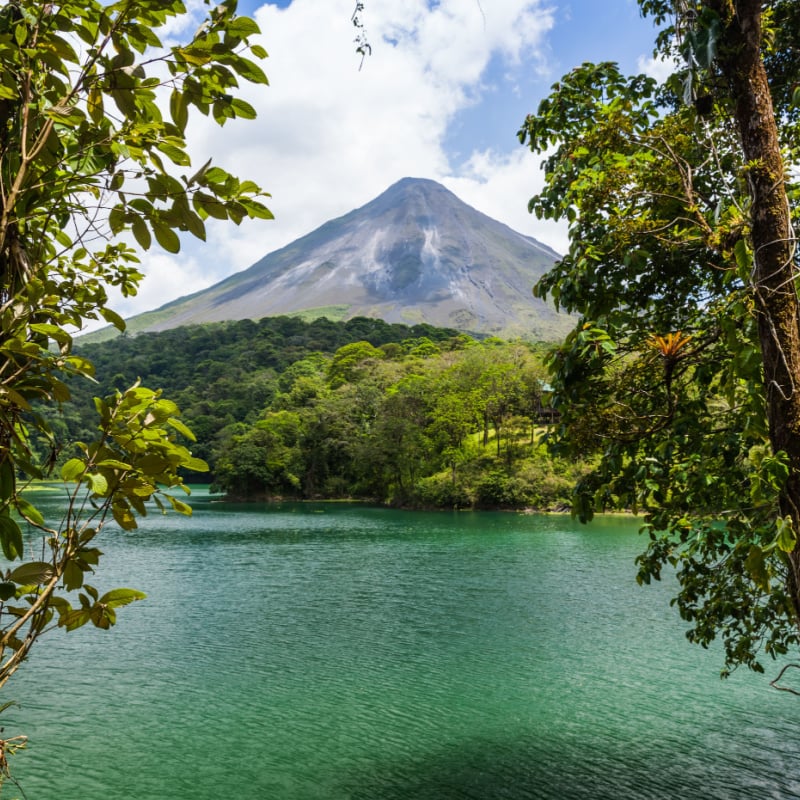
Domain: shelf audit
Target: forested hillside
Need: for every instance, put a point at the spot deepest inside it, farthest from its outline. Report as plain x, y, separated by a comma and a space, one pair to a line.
365, 409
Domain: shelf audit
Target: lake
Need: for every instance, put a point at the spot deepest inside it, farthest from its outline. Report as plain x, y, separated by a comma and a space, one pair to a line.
344, 652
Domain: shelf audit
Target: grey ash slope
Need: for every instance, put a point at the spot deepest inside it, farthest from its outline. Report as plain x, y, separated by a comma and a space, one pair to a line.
414, 254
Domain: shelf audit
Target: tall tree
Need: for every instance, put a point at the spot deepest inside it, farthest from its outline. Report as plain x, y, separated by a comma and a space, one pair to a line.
90, 160
684, 369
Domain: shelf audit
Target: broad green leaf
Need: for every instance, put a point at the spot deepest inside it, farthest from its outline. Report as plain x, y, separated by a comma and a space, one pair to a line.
97, 483
786, 539
195, 464
10, 537
180, 507
257, 210
194, 224
73, 469
94, 104
756, 566
35, 572
242, 27
115, 319
123, 517
250, 70
175, 154
73, 619
113, 463
12, 395
243, 109
59, 391
73, 576
30, 511
209, 205
81, 365
141, 233
166, 237
6, 480
179, 109
116, 219
91, 555
121, 597
102, 618
181, 428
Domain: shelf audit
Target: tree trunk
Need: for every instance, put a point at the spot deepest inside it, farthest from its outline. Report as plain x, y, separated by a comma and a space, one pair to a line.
773, 245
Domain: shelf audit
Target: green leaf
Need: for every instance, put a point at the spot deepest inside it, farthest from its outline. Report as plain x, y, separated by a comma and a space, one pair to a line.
81, 365
243, 109
175, 154
786, 539
194, 224
15, 397
743, 257
73, 576
181, 428
242, 27
756, 566
73, 469
181, 508
123, 516
6, 480
250, 71
7, 590
94, 104
30, 512
97, 483
91, 555
113, 463
74, 619
115, 319
35, 572
166, 237
121, 597
195, 464
256, 210
116, 219
10, 537
179, 109
141, 233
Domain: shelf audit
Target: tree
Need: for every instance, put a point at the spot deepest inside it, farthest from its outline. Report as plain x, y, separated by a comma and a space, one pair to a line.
350, 361
265, 460
88, 159
682, 370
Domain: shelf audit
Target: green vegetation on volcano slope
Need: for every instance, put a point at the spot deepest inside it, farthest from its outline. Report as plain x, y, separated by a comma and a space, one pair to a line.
286, 408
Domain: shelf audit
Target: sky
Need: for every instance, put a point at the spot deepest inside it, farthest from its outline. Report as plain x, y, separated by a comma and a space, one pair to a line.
441, 96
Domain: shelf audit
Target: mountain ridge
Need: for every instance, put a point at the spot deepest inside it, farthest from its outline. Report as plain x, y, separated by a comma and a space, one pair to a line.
416, 253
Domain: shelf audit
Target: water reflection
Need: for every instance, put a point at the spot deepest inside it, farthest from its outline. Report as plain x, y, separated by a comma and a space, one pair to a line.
342, 652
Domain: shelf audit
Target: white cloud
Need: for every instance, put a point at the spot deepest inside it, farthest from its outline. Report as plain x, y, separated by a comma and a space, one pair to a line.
500, 185
658, 67
329, 137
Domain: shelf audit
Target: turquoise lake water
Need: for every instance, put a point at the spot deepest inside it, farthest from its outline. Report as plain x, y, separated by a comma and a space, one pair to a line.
340, 652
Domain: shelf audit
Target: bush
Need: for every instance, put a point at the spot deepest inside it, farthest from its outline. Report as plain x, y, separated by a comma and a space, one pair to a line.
440, 491
498, 489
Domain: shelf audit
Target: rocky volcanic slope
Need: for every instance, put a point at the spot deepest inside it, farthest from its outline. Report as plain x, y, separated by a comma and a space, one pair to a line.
414, 254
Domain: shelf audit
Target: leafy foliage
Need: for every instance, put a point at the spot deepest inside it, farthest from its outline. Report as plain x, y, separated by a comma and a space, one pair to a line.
89, 162
663, 376
285, 408
410, 425
223, 374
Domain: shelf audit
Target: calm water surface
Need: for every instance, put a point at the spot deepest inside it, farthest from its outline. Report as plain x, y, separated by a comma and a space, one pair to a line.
348, 653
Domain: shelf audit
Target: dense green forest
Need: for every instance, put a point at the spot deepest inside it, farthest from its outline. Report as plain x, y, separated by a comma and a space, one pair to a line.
416, 416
